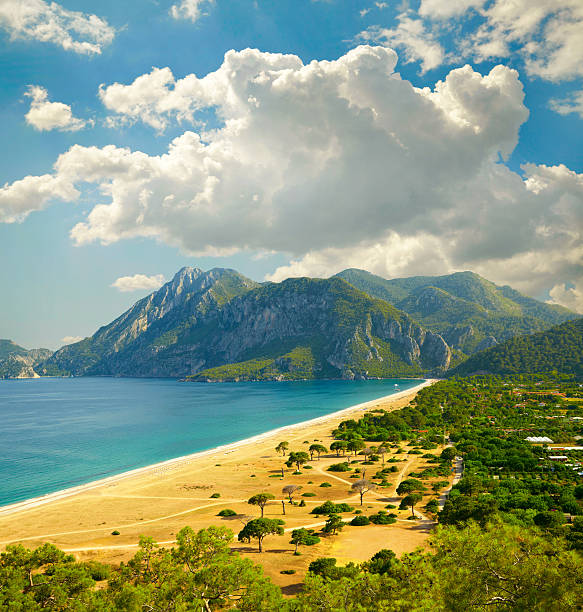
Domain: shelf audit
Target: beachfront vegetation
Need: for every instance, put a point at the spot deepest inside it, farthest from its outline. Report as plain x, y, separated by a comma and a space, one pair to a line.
510, 535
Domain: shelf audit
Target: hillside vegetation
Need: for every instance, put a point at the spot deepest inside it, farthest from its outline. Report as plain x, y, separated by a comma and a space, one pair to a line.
557, 349
470, 312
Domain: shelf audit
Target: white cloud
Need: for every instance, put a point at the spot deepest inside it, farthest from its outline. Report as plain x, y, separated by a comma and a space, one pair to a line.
547, 35
190, 10
44, 115
413, 36
571, 297
139, 282
38, 20
570, 104
71, 339
338, 163
31, 193
546, 38
445, 9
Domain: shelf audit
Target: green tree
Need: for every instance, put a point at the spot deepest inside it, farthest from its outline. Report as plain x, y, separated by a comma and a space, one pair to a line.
355, 446
297, 458
261, 500
319, 449
409, 486
409, 501
339, 446
334, 524
282, 447
504, 567
260, 528
303, 537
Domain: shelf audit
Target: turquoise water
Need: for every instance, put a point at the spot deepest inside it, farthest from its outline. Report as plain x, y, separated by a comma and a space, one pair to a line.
61, 432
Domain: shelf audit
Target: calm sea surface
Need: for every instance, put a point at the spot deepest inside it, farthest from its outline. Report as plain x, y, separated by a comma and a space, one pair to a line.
56, 433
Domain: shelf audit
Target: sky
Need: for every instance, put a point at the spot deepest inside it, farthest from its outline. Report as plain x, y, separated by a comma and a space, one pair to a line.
287, 138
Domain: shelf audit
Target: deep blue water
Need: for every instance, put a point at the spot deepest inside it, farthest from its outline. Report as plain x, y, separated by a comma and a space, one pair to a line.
56, 433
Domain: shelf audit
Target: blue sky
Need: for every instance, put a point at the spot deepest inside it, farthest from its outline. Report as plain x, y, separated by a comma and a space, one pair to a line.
277, 166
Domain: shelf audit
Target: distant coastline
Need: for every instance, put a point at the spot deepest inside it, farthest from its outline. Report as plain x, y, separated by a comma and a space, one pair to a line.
185, 459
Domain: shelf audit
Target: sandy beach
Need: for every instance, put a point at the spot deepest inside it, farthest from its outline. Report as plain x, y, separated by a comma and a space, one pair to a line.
158, 500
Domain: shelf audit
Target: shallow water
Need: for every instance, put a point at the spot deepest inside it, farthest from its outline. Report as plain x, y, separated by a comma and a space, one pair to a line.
61, 432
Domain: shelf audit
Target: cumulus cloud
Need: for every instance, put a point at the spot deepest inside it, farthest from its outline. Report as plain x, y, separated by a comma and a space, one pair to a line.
546, 37
190, 10
38, 20
570, 104
45, 115
139, 282
71, 339
413, 36
444, 9
571, 297
337, 163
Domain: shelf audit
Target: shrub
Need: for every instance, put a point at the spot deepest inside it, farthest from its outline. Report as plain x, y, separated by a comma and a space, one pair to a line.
382, 518
308, 494
359, 521
325, 484
215, 495
308, 467
302, 503
116, 532
332, 508
288, 572
391, 506
227, 512
98, 571
339, 467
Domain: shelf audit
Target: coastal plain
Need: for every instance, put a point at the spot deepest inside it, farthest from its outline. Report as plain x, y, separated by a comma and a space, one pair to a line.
160, 500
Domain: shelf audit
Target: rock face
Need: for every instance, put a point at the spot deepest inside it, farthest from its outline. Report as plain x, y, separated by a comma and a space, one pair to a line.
18, 362
219, 325
467, 310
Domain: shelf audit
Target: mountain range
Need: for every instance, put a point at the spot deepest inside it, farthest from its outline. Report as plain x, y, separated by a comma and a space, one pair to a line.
18, 362
220, 325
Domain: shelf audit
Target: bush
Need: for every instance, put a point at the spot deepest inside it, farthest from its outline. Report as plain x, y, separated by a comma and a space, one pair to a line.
391, 506
227, 512
215, 495
308, 494
359, 521
289, 572
302, 503
98, 571
339, 467
116, 532
308, 467
382, 518
332, 508
325, 484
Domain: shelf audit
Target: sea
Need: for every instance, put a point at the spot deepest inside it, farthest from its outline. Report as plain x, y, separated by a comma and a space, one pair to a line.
57, 433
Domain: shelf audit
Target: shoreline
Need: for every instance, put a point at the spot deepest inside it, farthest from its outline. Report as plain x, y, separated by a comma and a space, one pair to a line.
34, 502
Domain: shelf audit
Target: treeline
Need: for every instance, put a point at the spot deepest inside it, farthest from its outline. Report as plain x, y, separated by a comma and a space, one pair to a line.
501, 567
558, 349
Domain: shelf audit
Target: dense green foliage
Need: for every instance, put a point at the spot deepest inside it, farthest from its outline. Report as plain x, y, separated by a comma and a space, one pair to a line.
501, 567
557, 349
